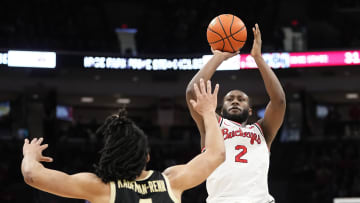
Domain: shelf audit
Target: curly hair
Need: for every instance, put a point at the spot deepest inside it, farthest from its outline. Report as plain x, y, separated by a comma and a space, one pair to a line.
124, 154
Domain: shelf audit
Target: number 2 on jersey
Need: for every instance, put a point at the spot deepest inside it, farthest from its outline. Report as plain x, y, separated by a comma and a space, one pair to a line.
243, 151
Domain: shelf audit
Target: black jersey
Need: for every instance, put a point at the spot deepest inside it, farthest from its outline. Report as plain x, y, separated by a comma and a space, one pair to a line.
152, 189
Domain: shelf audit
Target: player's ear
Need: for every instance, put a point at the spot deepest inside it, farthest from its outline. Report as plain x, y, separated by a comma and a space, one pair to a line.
147, 158
250, 111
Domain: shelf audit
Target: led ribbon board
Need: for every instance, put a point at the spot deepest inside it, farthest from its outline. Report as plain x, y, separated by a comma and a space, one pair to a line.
304, 59
242, 61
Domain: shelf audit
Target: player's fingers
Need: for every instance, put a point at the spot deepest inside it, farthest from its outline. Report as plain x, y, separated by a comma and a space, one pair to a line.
197, 91
208, 86
258, 29
26, 141
216, 90
39, 141
46, 159
42, 147
202, 86
33, 141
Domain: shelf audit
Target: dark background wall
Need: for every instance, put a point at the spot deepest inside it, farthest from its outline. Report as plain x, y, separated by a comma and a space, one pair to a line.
315, 156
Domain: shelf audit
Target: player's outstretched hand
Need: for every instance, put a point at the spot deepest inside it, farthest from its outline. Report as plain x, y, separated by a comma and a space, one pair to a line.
256, 49
224, 55
34, 149
206, 101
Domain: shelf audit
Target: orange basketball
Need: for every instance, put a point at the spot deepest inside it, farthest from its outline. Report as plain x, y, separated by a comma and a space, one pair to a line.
227, 33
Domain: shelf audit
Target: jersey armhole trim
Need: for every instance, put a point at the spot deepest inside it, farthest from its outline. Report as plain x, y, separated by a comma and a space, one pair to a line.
220, 120
112, 192
262, 133
260, 129
170, 192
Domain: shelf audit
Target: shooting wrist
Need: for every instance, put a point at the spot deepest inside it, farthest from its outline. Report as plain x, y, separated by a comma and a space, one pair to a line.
219, 57
208, 114
30, 157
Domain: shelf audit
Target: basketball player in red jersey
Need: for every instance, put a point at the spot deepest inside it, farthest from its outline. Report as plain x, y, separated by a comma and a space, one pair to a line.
242, 178
120, 175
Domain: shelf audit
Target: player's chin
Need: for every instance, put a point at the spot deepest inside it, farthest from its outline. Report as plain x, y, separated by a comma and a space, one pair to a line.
235, 112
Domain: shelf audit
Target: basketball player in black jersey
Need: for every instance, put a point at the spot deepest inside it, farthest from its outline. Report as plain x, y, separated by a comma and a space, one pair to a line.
121, 175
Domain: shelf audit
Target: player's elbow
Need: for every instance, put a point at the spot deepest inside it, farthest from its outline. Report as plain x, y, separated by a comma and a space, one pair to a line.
30, 174
212, 159
280, 100
189, 90
28, 177
222, 156
218, 157
190, 94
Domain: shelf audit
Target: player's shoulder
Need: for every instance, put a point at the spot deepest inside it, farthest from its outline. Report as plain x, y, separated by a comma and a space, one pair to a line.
255, 126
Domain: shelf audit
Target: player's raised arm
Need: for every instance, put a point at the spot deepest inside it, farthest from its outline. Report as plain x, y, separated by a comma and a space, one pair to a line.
205, 73
220, 37
81, 186
196, 171
275, 110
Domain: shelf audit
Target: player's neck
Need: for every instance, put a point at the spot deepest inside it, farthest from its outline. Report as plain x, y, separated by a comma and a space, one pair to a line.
144, 174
